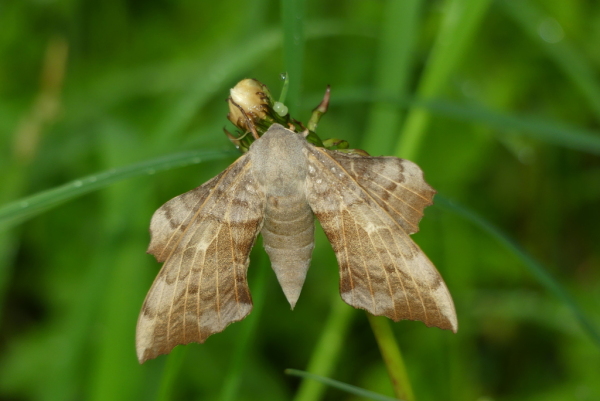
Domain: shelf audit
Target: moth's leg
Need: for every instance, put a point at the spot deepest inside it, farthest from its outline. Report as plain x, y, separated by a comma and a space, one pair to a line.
319, 110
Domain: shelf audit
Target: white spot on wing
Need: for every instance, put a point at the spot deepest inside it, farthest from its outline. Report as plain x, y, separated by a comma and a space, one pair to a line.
370, 227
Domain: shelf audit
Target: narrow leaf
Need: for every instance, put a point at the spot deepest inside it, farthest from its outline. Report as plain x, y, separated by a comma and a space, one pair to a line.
26, 208
537, 269
341, 386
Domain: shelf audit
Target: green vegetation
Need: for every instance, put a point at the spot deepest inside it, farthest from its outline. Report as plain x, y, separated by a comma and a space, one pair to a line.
109, 109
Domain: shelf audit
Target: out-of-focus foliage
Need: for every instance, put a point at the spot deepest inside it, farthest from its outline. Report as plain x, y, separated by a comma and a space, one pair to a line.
90, 86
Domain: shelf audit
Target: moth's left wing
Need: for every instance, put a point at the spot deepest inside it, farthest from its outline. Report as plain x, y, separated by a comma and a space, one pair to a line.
381, 269
204, 237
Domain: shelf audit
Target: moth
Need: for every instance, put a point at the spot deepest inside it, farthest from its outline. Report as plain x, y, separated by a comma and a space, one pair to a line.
367, 206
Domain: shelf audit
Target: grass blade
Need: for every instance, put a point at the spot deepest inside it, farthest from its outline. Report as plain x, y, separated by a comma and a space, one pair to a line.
392, 356
328, 350
26, 208
233, 378
170, 373
543, 129
575, 66
538, 270
458, 29
395, 61
292, 18
340, 385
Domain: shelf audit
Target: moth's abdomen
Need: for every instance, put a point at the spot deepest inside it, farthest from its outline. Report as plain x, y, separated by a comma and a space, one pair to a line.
288, 235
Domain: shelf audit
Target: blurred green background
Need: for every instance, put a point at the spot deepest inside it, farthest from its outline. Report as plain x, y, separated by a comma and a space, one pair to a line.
498, 101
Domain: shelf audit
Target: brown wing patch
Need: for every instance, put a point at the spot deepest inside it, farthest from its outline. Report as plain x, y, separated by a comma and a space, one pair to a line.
397, 185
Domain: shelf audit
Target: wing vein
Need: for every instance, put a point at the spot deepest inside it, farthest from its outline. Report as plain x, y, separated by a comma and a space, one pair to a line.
235, 268
400, 199
387, 277
346, 252
217, 292
366, 267
198, 310
408, 269
170, 315
403, 186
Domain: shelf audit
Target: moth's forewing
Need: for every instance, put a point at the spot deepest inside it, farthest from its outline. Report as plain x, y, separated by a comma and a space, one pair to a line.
397, 185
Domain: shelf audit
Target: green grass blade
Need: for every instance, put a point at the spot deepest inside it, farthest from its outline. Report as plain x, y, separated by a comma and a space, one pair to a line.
564, 54
395, 62
236, 62
458, 30
328, 350
392, 356
233, 378
28, 207
340, 385
170, 373
211, 80
292, 18
554, 132
538, 270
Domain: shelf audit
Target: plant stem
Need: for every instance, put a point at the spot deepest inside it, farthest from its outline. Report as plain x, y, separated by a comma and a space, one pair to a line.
171, 371
233, 378
456, 33
395, 62
327, 351
292, 17
392, 357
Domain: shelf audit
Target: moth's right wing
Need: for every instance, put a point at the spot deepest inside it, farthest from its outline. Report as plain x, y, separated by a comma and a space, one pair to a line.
204, 237
367, 207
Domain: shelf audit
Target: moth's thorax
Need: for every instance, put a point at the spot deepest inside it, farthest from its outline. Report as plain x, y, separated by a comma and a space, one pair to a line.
279, 162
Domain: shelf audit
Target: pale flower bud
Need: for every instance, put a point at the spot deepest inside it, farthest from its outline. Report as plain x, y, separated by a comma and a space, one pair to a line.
253, 98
